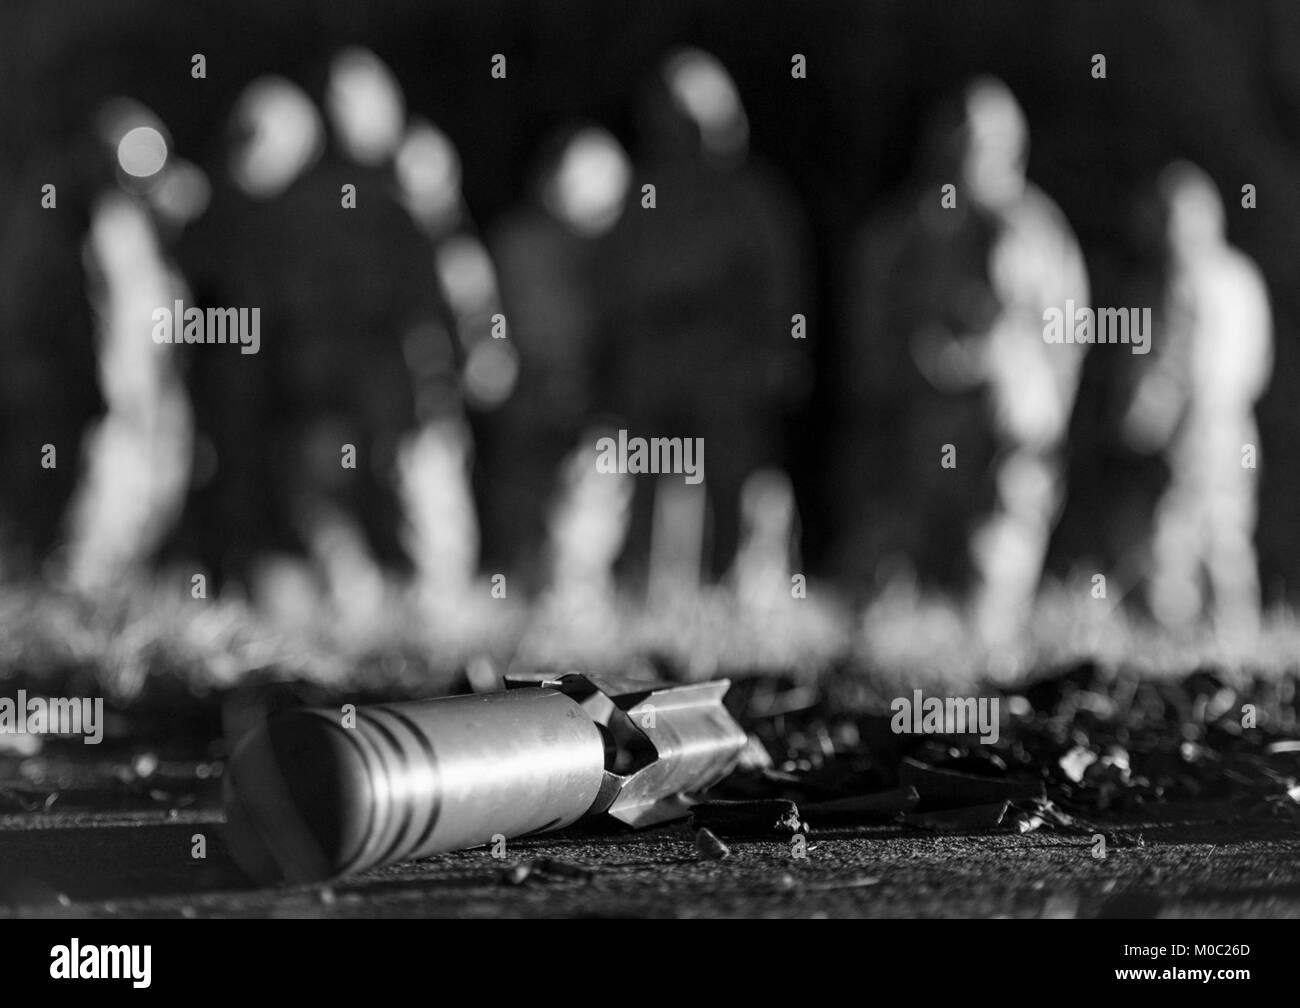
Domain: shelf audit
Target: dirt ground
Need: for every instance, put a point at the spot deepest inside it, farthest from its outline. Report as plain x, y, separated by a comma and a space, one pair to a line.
1188, 861
134, 827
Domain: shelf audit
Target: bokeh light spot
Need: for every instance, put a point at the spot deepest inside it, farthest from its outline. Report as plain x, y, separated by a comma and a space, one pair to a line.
142, 152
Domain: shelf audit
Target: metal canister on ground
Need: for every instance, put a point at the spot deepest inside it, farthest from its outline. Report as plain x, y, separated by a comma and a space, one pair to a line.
307, 798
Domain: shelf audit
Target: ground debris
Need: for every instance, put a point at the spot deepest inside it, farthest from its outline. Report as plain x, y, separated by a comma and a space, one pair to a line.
880, 807
24, 801
1283, 805
773, 817
1026, 822
709, 847
1074, 764
971, 819
940, 788
545, 870
1031, 815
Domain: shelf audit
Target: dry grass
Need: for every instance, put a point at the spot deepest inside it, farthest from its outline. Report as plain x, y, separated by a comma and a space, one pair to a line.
903, 639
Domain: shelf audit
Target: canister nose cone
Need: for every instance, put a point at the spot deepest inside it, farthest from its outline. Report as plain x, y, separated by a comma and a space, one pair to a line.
298, 799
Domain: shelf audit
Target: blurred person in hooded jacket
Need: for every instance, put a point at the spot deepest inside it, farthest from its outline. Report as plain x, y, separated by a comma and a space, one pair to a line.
959, 408
1195, 403
699, 294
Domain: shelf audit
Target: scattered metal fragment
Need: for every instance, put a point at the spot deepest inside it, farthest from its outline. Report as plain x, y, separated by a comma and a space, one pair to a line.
772, 817
1054, 816
881, 807
543, 870
971, 819
1121, 838
1026, 822
940, 788
709, 847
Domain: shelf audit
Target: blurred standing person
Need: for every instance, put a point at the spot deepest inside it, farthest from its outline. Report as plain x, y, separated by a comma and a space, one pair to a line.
702, 276
1196, 403
1035, 263
546, 252
234, 255
310, 434
464, 366
951, 345
918, 274
136, 459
